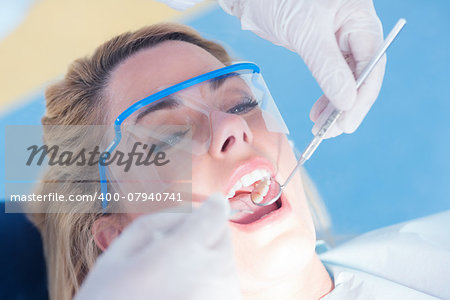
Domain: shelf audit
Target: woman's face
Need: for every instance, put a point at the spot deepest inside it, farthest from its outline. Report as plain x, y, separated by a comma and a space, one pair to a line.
267, 248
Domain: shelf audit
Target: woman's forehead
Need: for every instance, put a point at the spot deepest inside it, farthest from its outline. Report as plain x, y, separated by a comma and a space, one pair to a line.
150, 69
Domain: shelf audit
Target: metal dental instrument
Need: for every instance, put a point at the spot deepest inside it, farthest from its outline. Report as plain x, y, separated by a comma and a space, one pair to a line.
337, 113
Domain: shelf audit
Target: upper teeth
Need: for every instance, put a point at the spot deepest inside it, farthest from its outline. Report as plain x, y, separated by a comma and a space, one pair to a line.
249, 179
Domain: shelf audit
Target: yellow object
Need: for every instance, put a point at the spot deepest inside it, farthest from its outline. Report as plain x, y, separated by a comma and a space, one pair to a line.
55, 32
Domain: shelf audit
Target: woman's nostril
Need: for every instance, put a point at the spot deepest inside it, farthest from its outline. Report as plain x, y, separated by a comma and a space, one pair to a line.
245, 137
229, 141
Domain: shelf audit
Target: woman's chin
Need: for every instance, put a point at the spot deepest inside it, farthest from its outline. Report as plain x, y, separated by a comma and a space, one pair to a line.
287, 256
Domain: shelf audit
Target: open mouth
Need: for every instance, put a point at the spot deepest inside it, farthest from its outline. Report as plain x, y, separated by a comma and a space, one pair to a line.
245, 212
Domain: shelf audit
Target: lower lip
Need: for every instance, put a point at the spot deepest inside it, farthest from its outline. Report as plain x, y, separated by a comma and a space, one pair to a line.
268, 220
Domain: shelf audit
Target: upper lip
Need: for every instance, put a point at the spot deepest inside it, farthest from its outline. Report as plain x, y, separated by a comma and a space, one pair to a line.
246, 168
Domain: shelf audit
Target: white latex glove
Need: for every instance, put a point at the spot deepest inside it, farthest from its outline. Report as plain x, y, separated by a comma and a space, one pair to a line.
180, 4
168, 256
335, 38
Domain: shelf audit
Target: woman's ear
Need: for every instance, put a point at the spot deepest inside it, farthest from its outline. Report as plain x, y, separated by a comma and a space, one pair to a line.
105, 230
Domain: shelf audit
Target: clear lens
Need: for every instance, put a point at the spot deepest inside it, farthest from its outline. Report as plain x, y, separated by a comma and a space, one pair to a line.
178, 126
242, 94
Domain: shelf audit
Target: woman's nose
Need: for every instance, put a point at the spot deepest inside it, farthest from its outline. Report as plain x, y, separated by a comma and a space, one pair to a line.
229, 133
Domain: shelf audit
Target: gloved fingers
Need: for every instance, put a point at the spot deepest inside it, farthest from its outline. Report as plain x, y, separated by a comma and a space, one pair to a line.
367, 94
334, 130
144, 231
329, 67
202, 233
206, 224
363, 46
361, 36
309, 31
318, 108
198, 266
350, 119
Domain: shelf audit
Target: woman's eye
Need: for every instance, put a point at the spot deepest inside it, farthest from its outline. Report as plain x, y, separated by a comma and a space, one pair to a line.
247, 105
171, 140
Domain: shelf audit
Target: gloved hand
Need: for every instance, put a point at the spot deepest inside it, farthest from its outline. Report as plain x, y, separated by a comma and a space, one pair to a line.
168, 256
335, 38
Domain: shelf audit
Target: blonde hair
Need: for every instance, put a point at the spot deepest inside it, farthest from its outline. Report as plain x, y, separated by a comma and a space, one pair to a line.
69, 246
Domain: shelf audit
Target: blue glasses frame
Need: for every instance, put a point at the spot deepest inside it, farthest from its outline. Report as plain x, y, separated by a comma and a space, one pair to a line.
152, 98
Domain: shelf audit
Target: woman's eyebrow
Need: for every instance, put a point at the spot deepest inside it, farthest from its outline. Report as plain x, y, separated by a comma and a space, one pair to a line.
170, 102
165, 103
217, 82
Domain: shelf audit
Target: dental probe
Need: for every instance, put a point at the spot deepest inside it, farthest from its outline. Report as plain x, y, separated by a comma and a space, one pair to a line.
337, 113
